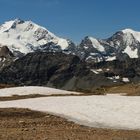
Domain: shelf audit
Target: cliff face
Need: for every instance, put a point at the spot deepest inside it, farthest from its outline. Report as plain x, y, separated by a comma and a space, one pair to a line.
53, 69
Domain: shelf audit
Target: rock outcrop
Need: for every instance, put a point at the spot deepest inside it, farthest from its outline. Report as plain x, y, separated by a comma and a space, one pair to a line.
54, 70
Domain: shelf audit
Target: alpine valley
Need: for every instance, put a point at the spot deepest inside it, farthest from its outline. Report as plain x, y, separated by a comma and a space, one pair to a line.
32, 55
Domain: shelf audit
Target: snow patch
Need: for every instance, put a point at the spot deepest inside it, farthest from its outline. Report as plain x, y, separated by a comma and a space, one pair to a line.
94, 71
63, 43
113, 111
125, 80
96, 44
111, 58
99, 70
131, 53
114, 78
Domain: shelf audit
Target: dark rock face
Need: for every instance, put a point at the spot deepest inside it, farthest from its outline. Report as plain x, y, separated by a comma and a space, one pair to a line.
120, 40
5, 52
116, 46
129, 68
6, 57
87, 50
91, 52
53, 69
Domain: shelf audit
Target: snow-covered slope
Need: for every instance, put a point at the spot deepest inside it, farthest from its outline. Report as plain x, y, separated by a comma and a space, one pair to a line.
34, 90
126, 41
26, 36
135, 34
96, 44
132, 53
131, 38
111, 111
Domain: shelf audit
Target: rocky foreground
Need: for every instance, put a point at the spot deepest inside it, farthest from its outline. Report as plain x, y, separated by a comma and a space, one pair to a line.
24, 124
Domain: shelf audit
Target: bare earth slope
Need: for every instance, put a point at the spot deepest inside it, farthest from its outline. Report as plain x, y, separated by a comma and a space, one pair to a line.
24, 124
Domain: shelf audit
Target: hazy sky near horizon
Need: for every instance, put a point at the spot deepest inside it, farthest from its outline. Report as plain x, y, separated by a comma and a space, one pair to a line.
75, 19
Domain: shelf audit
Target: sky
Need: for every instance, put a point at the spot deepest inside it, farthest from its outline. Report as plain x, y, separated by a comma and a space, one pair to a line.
75, 19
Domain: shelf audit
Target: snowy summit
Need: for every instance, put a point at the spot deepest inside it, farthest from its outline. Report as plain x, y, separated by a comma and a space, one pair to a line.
26, 36
23, 37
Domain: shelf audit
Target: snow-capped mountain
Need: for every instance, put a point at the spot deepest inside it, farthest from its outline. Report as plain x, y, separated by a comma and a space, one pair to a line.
22, 37
122, 44
25, 36
92, 49
126, 42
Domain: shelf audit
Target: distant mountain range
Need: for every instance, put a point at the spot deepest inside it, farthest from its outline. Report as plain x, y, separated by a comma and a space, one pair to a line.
32, 55
22, 37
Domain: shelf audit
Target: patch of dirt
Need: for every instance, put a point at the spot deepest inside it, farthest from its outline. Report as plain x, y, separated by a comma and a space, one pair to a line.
19, 97
6, 86
129, 89
24, 124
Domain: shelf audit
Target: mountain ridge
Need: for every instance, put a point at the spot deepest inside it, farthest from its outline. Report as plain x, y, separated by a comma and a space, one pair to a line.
23, 37
26, 37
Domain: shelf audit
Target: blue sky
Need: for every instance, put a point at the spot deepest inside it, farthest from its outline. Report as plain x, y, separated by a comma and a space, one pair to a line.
75, 19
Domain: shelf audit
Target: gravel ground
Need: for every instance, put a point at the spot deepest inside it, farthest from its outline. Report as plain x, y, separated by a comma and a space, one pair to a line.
24, 124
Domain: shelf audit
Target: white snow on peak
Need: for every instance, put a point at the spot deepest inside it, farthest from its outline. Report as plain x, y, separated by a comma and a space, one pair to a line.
96, 44
128, 30
63, 43
26, 36
135, 34
6, 26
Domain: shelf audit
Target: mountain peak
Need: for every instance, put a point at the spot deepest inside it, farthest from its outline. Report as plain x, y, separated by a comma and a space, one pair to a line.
27, 36
135, 34
18, 20
127, 30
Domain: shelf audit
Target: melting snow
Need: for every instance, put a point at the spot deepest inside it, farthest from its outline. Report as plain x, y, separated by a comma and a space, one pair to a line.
113, 111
